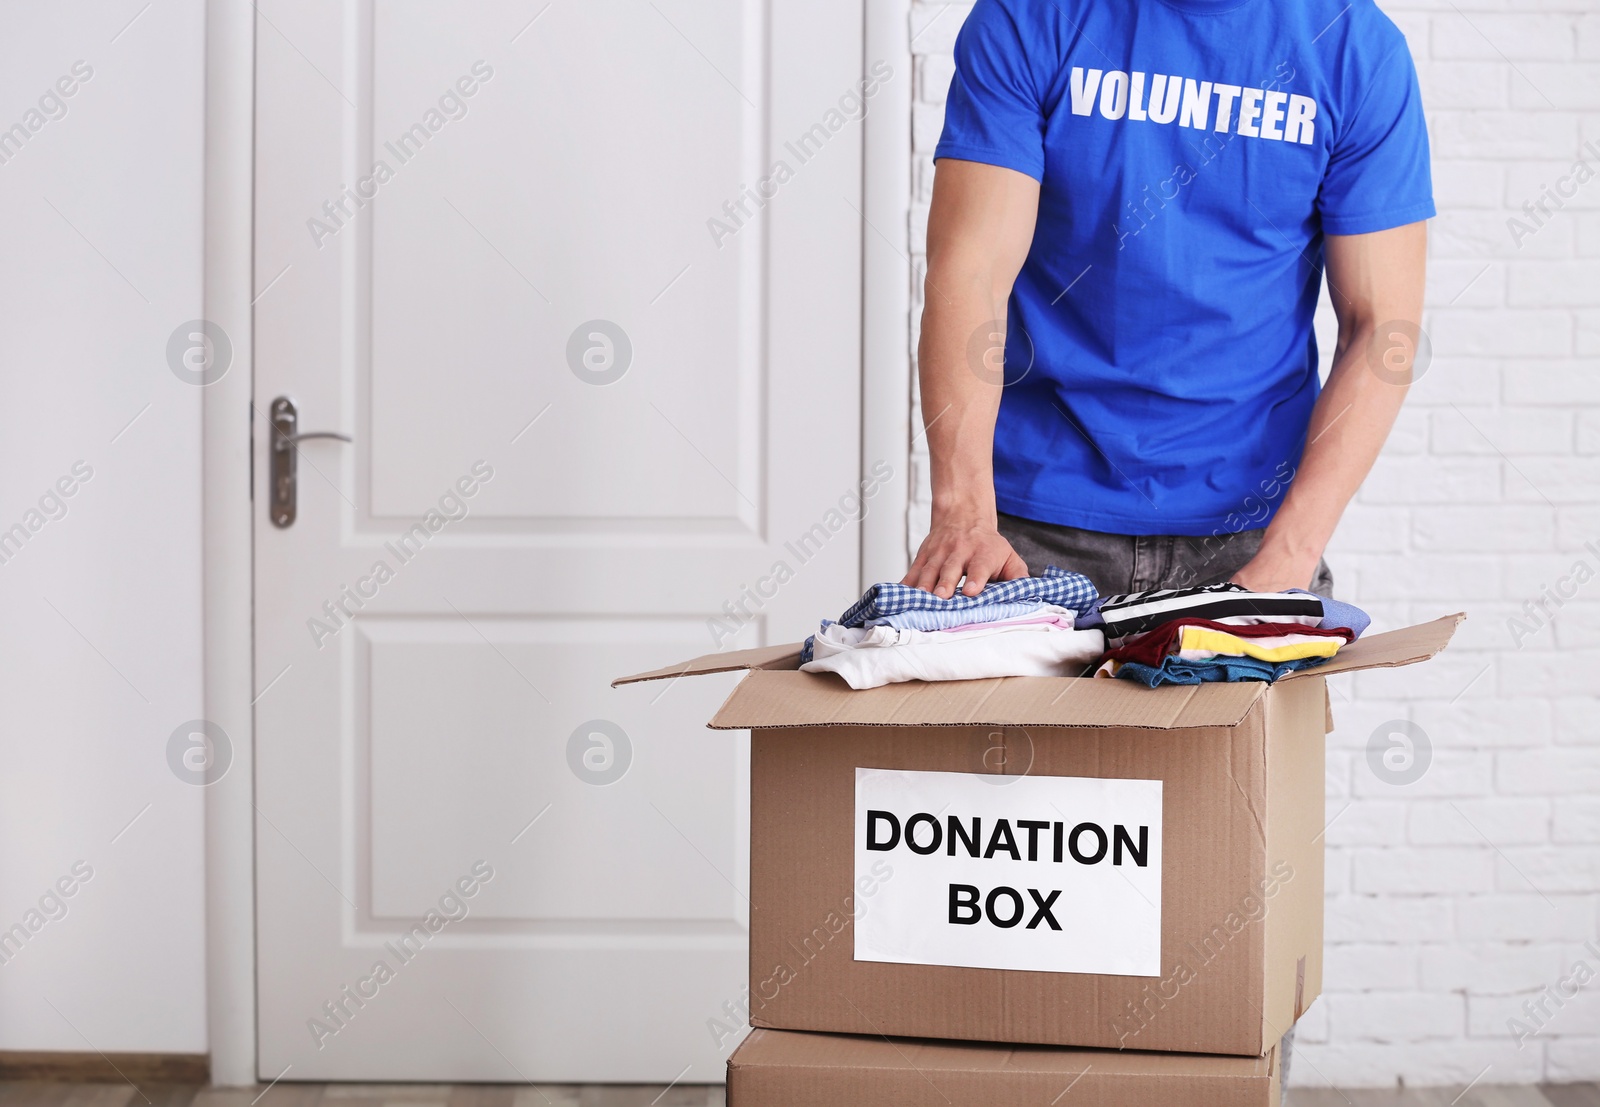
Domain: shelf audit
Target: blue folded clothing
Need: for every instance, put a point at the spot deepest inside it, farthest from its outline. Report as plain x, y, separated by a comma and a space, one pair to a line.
1337, 613
1175, 670
944, 619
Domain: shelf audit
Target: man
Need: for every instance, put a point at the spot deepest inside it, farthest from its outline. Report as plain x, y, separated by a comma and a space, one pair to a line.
1140, 197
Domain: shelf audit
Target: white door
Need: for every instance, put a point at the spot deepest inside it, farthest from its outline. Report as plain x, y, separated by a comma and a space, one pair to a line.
585, 420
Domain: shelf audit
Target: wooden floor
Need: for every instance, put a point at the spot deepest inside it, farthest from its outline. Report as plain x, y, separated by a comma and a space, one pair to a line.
1550, 1095
34, 1094
39, 1094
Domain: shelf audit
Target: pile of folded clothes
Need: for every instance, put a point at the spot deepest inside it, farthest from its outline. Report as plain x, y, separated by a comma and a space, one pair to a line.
1221, 632
1057, 625
1027, 627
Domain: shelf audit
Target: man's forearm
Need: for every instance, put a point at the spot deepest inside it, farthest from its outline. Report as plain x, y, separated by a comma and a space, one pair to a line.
1375, 281
980, 225
960, 362
1351, 421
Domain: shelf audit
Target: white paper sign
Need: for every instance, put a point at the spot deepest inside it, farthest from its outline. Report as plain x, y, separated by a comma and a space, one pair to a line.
1046, 873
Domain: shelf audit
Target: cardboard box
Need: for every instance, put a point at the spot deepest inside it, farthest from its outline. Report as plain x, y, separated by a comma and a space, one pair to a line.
1181, 915
786, 1068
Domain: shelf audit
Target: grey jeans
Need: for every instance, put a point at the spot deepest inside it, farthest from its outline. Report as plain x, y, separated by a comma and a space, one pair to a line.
1121, 563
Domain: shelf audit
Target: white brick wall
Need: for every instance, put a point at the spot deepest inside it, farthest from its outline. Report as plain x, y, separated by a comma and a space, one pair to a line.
1456, 900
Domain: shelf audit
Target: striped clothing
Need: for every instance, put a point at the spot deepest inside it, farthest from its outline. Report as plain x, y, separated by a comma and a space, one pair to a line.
1137, 612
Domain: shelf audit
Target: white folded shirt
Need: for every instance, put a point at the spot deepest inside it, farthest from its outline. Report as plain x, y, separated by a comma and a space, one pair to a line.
869, 657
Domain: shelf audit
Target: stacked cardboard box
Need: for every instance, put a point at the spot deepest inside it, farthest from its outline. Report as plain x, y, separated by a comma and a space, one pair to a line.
1104, 885
807, 1070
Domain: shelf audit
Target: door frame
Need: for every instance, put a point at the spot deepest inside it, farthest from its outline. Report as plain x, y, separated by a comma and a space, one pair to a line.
227, 556
228, 579
886, 275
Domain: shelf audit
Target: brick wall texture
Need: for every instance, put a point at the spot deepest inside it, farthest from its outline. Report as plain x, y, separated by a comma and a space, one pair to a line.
1462, 907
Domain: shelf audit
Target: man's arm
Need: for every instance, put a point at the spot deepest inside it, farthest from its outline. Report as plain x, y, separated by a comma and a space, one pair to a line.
1374, 280
980, 227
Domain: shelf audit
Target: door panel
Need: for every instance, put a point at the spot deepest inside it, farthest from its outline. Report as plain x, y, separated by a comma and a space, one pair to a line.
584, 429
556, 217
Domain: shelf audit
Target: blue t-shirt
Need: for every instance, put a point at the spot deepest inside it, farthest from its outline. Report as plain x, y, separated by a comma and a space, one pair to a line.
1160, 365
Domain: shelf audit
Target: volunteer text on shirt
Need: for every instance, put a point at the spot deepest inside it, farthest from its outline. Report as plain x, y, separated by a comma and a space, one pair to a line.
1263, 112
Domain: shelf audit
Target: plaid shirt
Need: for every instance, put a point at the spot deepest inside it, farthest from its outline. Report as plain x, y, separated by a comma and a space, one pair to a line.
1056, 586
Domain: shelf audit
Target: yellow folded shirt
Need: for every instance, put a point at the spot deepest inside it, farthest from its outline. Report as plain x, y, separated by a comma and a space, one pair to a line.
1203, 643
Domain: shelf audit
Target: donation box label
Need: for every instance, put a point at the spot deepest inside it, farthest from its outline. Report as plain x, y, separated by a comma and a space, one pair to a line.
1041, 873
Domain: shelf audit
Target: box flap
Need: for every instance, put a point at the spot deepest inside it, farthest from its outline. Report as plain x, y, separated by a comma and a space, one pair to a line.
762, 657
775, 698
1406, 646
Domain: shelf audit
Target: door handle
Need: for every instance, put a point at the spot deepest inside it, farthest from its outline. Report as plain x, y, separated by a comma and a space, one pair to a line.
283, 479
288, 440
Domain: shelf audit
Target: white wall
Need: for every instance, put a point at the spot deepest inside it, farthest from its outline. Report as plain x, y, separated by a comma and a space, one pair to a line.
1455, 900
100, 215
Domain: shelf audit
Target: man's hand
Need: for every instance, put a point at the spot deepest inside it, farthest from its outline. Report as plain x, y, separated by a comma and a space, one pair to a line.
1274, 575
969, 547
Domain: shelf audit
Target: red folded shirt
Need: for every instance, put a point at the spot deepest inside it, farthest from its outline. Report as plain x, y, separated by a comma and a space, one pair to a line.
1152, 646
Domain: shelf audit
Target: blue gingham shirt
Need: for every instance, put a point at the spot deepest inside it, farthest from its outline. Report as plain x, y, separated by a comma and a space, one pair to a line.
1056, 586
918, 619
